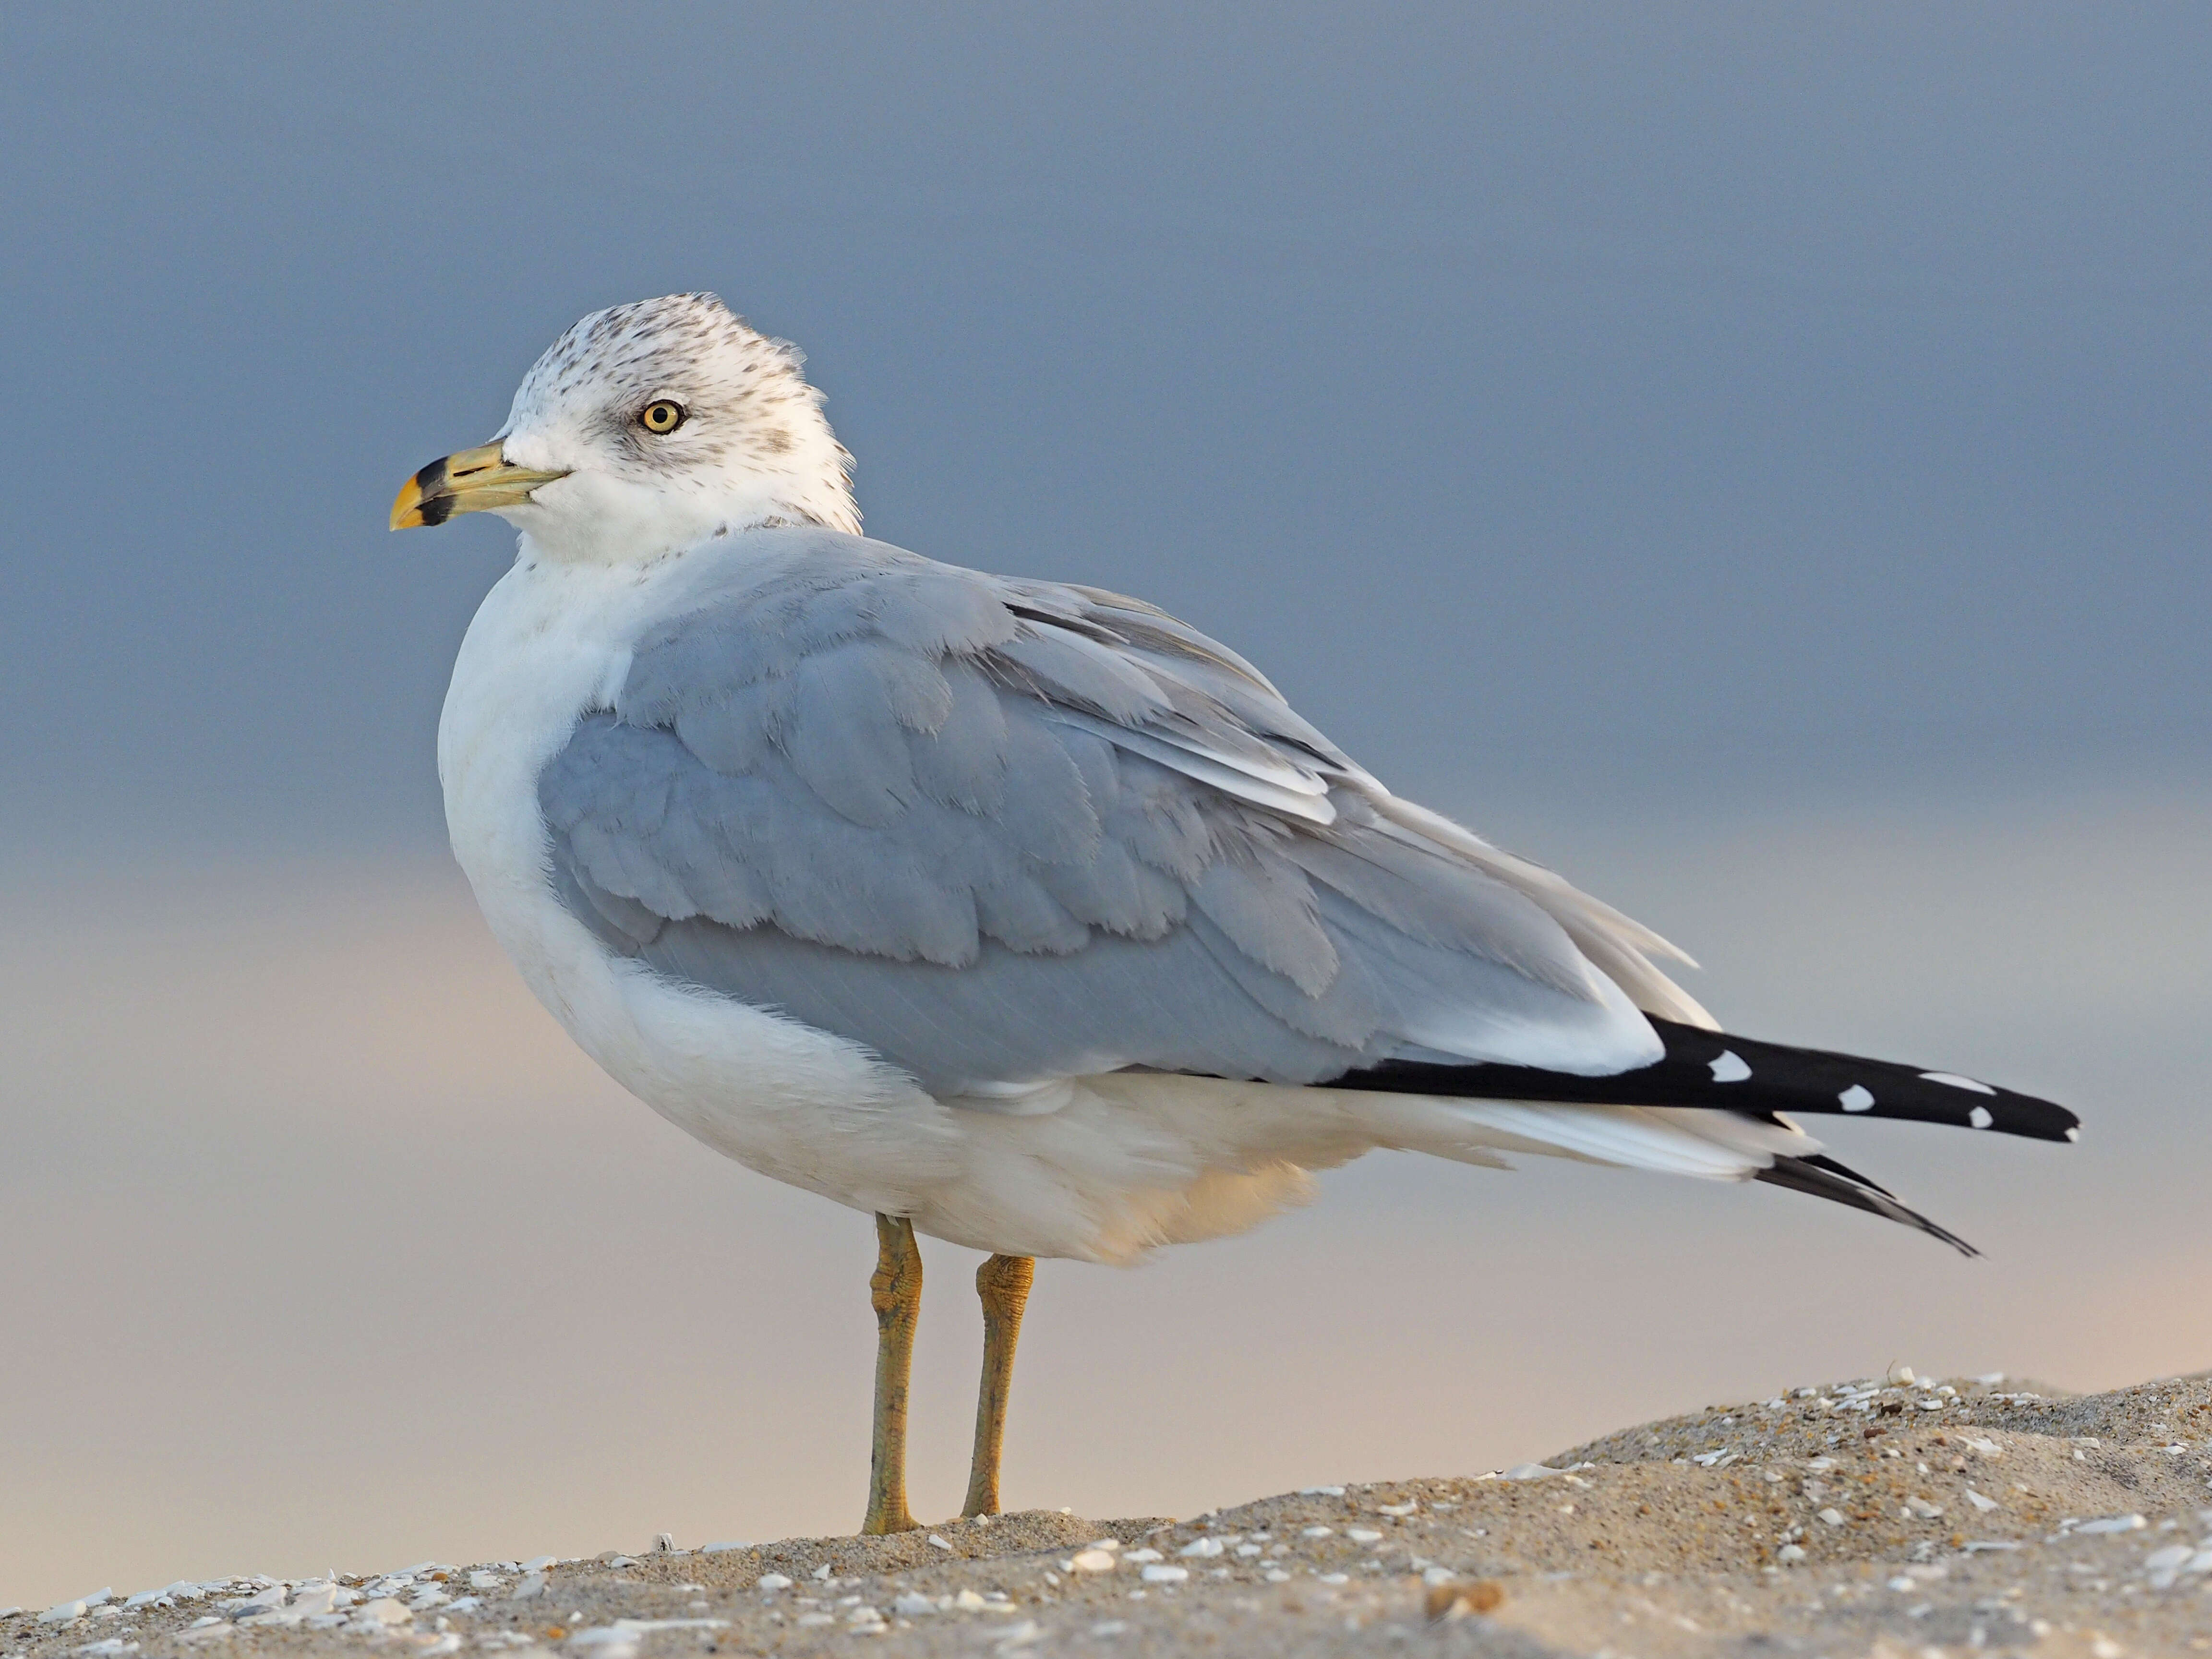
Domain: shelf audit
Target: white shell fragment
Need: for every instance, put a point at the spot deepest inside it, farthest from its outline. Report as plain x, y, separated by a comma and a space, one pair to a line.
2113, 1524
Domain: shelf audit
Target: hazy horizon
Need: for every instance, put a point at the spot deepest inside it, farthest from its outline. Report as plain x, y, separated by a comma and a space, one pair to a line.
331, 1251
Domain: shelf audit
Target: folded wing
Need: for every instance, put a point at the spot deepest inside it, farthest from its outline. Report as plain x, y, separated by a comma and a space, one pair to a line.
1005, 831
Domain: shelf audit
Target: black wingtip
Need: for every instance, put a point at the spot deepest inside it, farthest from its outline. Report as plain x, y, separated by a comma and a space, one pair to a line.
1715, 1070
1818, 1080
1823, 1177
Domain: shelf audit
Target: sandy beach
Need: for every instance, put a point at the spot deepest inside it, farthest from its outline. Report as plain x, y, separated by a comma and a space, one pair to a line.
1886, 1516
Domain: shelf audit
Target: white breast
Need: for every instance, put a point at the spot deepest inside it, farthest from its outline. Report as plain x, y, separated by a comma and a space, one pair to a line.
551, 641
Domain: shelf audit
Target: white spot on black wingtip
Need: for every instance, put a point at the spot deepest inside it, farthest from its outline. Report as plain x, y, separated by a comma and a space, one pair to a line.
1980, 1118
1729, 1067
1856, 1098
1957, 1082
2073, 1134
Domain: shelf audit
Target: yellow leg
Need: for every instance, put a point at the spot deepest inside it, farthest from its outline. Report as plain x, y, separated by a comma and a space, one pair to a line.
1003, 1283
895, 1291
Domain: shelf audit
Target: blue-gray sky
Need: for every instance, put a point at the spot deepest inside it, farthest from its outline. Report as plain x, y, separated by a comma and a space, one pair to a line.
1565, 403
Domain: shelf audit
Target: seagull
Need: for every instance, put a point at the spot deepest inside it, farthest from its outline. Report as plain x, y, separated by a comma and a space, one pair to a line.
1015, 912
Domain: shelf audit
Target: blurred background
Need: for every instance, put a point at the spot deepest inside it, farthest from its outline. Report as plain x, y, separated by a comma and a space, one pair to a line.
1751, 458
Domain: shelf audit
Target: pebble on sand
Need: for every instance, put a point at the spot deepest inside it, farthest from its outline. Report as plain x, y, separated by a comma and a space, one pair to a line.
1458, 1601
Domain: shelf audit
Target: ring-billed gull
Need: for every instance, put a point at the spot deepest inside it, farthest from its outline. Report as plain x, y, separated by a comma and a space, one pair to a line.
1015, 912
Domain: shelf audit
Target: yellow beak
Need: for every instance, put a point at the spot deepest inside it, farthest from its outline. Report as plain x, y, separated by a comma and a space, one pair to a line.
470, 482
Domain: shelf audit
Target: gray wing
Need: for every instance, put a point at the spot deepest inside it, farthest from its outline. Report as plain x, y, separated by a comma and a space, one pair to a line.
1003, 832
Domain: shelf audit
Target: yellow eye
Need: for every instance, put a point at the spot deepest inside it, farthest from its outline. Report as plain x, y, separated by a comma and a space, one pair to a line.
661, 415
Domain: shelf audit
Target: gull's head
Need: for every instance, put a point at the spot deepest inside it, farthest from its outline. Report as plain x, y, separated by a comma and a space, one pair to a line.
644, 430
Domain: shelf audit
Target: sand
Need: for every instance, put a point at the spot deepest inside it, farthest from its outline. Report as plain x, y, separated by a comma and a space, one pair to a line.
1891, 1517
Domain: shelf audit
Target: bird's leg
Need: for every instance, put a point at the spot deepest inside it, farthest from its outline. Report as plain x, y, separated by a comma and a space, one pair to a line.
895, 1292
1003, 1283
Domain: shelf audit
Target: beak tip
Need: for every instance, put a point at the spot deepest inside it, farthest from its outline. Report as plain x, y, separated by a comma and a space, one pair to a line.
407, 505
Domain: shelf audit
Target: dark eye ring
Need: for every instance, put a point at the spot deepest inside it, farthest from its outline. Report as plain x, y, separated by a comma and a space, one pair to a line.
661, 417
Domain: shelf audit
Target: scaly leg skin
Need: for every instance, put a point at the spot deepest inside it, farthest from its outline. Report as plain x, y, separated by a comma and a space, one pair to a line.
895, 1291
1003, 1283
